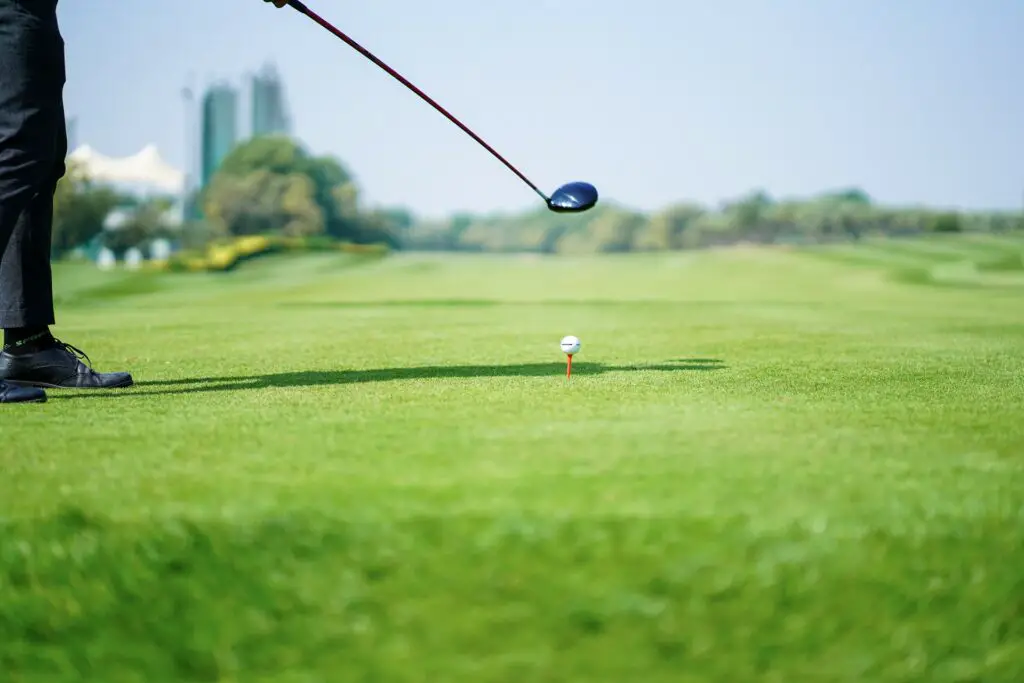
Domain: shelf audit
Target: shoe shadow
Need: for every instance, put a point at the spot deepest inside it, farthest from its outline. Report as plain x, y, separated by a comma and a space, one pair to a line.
313, 378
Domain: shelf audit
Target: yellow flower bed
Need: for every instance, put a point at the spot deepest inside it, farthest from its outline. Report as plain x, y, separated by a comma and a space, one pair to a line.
223, 256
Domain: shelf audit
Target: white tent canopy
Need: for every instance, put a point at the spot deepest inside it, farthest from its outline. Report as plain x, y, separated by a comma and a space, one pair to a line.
143, 168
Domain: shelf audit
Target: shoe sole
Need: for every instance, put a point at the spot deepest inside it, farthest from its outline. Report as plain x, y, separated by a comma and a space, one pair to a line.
42, 385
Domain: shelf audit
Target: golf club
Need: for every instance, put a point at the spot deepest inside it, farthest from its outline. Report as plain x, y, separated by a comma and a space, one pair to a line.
569, 198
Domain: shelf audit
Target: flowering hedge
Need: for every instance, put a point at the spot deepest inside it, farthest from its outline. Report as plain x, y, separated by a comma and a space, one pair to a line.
224, 256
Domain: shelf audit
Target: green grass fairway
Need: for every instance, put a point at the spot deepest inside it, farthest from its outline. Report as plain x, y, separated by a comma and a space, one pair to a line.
771, 465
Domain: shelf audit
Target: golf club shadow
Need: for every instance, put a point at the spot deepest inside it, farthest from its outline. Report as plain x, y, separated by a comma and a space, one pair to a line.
313, 378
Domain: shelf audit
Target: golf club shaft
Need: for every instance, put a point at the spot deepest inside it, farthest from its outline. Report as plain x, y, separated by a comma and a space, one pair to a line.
297, 5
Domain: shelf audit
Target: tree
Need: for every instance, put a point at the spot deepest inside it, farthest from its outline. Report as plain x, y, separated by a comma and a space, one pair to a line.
850, 195
381, 227
264, 202
402, 219
145, 221
286, 183
947, 221
615, 231
666, 228
710, 228
80, 208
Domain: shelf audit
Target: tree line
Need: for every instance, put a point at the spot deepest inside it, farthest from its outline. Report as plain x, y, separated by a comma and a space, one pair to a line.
845, 215
274, 186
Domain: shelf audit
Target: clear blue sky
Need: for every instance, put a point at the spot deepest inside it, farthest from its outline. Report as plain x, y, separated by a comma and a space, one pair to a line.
653, 101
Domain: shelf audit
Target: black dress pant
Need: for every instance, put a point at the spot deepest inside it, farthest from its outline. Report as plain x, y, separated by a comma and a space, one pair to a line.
33, 146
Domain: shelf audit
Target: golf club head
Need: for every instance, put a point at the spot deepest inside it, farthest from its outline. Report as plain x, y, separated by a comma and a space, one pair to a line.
573, 198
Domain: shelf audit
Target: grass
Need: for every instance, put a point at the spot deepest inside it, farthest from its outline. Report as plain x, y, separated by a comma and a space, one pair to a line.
771, 465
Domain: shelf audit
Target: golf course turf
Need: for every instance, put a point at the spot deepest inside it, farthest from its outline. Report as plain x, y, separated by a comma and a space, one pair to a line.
771, 464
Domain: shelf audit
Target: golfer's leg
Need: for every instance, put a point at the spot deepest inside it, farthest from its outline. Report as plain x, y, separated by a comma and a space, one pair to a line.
31, 75
33, 142
31, 123
25, 276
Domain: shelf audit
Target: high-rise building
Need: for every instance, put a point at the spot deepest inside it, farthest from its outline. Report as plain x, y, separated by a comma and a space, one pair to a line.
269, 106
219, 127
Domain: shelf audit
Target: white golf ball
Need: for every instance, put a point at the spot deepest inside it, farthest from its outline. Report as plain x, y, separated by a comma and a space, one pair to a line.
570, 345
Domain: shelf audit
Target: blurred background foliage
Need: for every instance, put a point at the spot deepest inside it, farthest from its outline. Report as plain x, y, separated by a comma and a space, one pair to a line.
274, 187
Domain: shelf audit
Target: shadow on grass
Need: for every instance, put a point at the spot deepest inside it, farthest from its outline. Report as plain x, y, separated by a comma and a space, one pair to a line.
314, 378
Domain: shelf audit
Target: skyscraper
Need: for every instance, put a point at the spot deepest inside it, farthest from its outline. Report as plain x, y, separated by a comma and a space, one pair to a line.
269, 108
219, 127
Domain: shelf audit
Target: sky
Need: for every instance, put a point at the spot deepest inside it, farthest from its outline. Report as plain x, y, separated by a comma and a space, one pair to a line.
653, 101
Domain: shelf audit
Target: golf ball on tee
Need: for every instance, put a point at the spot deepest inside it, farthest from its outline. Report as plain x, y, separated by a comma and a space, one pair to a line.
570, 345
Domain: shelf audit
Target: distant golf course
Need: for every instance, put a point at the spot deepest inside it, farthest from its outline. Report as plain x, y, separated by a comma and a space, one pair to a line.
771, 464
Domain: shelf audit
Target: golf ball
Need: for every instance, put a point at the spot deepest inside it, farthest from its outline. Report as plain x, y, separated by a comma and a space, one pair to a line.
570, 345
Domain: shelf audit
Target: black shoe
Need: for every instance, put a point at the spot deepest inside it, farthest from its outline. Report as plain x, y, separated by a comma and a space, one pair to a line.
57, 366
12, 394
